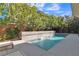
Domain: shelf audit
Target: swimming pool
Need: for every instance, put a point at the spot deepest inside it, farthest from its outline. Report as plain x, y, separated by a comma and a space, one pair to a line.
47, 43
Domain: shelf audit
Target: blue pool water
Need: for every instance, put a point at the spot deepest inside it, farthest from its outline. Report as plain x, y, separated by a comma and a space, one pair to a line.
48, 43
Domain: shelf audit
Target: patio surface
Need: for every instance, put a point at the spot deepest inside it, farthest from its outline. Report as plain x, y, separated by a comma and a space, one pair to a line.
67, 47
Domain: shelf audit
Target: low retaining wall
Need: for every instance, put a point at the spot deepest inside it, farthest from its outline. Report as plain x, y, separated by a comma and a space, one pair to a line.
6, 45
27, 33
31, 35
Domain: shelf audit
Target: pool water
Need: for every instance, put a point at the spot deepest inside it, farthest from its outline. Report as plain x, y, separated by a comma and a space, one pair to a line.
46, 44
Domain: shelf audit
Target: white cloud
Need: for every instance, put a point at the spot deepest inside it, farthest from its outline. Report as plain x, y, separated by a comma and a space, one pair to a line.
46, 12
41, 9
36, 4
30, 4
39, 4
54, 7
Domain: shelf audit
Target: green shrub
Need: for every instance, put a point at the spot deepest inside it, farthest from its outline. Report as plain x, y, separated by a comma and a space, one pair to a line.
12, 33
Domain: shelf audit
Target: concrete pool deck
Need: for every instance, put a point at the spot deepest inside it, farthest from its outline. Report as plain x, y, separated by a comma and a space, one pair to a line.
67, 47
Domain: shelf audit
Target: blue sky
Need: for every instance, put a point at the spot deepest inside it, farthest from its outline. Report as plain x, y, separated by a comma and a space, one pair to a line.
57, 9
